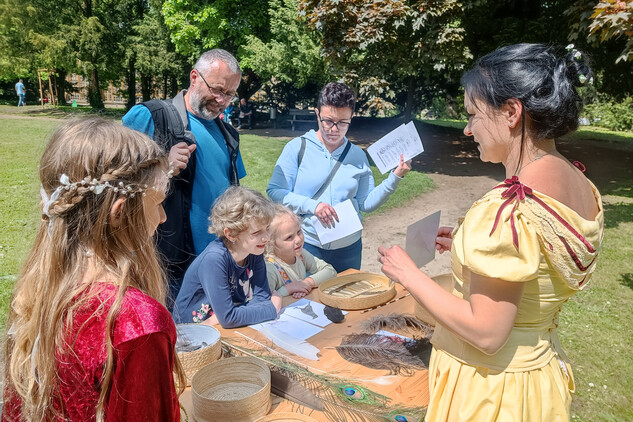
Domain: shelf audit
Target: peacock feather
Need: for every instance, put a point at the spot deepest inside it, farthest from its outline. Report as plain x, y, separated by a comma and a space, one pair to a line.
339, 398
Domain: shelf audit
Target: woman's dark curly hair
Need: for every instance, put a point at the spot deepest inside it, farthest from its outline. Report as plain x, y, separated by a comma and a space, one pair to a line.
542, 77
336, 94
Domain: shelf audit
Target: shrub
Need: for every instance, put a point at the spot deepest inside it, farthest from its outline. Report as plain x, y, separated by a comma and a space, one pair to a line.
611, 115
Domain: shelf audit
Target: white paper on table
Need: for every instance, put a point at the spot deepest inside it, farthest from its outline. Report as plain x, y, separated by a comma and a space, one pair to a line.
421, 239
295, 310
348, 223
291, 326
387, 150
390, 334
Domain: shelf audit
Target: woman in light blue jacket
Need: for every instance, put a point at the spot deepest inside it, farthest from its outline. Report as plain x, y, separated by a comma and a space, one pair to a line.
299, 177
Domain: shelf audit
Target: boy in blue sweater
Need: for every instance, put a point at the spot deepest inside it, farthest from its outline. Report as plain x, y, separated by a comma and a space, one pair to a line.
227, 282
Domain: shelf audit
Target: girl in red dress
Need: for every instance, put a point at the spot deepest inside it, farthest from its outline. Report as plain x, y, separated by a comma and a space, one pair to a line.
89, 337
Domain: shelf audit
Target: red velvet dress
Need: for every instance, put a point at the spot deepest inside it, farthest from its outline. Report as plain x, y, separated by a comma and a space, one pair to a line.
142, 387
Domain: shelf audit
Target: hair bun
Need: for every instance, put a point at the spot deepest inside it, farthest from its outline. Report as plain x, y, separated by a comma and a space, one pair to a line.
578, 72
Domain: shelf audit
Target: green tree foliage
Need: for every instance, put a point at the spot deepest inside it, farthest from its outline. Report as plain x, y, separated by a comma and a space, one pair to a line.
290, 61
609, 51
197, 26
388, 46
614, 19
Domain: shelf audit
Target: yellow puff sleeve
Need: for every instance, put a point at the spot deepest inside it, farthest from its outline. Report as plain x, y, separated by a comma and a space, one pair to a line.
505, 253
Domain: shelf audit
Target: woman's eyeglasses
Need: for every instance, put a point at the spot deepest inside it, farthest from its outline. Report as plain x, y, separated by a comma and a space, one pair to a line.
225, 96
329, 124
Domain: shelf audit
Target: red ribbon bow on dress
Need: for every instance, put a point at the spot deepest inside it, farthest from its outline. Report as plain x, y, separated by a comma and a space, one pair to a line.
515, 190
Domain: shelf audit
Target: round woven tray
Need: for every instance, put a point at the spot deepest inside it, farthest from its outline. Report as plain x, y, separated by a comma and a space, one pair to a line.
357, 291
231, 389
192, 361
446, 282
286, 417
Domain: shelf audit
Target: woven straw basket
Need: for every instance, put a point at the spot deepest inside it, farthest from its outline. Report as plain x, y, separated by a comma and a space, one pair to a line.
357, 291
286, 417
231, 389
446, 282
193, 361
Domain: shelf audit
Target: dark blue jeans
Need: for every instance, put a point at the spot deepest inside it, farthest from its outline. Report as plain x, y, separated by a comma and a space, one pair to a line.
341, 259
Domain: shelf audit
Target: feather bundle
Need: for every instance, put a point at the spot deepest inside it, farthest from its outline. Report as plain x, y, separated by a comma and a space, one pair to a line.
399, 356
399, 323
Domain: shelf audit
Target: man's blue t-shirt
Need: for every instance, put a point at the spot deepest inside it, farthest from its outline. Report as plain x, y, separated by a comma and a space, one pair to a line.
212, 168
19, 87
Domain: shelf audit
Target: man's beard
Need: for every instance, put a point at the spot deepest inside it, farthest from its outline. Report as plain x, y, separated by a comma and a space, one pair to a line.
198, 106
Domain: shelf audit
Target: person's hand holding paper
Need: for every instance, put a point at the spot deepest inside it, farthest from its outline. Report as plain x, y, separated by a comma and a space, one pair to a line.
401, 144
348, 223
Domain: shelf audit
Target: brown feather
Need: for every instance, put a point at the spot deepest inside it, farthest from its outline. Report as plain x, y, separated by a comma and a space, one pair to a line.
398, 323
393, 353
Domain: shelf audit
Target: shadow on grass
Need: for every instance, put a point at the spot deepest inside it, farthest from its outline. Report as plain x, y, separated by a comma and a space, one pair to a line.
614, 214
627, 280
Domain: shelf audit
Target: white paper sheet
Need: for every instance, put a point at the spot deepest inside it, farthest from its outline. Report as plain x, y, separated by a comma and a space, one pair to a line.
387, 150
421, 239
291, 326
298, 310
348, 223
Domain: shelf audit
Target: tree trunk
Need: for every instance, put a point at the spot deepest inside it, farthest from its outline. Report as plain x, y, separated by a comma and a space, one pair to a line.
94, 92
173, 86
60, 83
131, 82
146, 87
165, 86
409, 106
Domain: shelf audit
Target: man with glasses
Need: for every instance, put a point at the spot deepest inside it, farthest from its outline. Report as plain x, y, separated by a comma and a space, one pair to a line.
307, 178
204, 155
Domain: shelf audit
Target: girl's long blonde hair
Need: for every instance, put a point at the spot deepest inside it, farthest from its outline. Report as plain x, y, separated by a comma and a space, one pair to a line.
75, 238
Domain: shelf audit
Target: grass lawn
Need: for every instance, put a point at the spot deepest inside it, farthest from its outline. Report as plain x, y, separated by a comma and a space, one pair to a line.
592, 133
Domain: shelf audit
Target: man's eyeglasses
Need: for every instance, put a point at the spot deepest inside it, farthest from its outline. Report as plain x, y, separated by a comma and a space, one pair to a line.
225, 96
329, 124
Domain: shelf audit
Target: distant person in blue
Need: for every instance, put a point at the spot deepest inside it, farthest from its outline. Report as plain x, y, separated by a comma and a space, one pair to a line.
204, 156
301, 180
21, 91
246, 112
227, 283
228, 114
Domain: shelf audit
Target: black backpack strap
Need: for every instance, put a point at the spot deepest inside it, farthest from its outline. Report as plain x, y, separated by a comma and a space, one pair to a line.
233, 146
302, 151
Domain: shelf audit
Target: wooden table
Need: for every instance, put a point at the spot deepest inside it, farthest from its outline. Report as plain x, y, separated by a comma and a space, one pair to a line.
403, 391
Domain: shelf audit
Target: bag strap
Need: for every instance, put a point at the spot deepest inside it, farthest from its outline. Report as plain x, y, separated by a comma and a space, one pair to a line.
333, 172
327, 181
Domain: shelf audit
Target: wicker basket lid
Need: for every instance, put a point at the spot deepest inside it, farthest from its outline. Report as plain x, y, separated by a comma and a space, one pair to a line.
357, 291
197, 346
231, 389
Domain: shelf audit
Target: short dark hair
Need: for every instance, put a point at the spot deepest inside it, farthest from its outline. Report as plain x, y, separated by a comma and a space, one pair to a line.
542, 77
336, 94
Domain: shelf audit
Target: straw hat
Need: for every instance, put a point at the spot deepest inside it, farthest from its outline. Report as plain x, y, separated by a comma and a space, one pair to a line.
357, 291
231, 389
197, 334
446, 282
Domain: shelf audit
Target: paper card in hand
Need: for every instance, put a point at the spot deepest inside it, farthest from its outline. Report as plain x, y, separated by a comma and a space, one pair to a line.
421, 239
403, 140
348, 223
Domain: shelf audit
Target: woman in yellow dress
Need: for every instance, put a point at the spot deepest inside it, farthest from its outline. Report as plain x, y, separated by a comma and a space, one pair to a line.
521, 251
